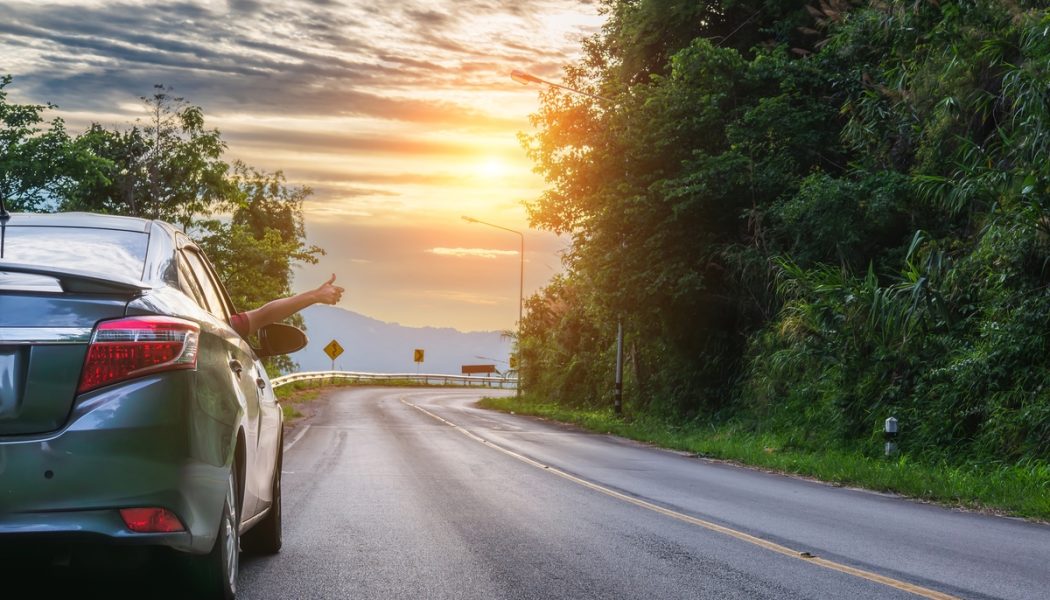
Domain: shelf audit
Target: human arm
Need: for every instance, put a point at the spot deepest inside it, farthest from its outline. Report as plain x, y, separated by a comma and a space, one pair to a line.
282, 308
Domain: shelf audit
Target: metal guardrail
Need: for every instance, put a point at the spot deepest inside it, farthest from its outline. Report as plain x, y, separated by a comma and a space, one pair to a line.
417, 378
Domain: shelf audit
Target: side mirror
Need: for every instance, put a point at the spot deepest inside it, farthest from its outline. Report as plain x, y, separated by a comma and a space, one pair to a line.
277, 338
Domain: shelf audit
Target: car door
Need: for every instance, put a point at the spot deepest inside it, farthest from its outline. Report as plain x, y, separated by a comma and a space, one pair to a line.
243, 374
270, 426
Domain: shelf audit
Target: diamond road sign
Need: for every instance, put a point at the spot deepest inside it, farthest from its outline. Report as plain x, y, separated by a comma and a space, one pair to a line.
333, 349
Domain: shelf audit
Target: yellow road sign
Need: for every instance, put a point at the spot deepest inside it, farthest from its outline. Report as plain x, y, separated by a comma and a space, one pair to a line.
333, 349
417, 355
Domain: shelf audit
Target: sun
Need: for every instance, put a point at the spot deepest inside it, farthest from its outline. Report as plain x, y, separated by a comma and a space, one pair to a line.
491, 168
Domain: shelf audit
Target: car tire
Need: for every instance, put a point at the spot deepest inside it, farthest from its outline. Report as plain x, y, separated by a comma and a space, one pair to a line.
265, 537
214, 575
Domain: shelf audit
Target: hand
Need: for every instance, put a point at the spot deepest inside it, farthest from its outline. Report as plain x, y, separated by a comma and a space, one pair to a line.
329, 293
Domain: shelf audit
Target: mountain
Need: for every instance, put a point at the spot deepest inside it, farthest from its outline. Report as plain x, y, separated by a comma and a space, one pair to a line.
374, 346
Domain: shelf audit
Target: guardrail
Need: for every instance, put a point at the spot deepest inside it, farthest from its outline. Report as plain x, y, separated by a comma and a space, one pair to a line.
417, 378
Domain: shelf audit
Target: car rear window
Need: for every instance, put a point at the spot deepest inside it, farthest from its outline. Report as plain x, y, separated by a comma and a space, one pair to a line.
105, 251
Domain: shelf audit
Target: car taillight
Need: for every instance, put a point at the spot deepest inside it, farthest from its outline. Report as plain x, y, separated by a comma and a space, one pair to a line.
136, 346
151, 520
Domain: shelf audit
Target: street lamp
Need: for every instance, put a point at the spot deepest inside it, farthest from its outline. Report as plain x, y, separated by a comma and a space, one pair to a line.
521, 280
525, 79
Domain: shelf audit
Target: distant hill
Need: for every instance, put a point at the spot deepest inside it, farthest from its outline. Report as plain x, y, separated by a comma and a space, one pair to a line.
375, 346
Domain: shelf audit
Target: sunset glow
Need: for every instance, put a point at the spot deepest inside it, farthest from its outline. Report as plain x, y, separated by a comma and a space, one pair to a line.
493, 168
400, 117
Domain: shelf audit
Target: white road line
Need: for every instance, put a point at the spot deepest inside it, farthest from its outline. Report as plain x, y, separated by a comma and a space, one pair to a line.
298, 437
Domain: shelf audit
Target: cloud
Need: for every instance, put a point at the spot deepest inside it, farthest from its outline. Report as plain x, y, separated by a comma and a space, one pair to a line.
343, 142
298, 55
245, 6
408, 61
428, 18
465, 297
325, 193
427, 179
383, 108
472, 252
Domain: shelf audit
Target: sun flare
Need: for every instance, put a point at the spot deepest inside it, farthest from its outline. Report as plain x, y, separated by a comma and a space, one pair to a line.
491, 168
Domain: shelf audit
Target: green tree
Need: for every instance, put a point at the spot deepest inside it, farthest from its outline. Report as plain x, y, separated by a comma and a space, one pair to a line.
809, 216
169, 168
40, 165
257, 248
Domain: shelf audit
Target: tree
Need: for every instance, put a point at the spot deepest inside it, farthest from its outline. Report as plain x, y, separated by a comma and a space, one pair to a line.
40, 165
170, 168
255, 251
809, 215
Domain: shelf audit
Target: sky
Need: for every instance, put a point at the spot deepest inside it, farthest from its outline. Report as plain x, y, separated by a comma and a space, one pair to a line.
400, 116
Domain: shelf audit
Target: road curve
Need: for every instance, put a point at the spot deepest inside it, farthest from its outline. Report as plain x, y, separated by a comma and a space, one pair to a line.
414, 493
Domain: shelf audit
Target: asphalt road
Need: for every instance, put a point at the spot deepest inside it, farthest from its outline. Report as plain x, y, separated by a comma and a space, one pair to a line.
414, 493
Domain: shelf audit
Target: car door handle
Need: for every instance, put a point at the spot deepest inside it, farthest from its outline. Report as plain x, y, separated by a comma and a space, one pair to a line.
235, 366
259, 381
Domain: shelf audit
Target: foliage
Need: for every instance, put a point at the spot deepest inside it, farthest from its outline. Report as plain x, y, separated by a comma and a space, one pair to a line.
169, 168
810, 217
566, 341
254, 251
38, 166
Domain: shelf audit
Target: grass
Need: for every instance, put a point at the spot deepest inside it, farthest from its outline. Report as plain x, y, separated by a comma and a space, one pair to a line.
292, 396
1018, 490
296, 392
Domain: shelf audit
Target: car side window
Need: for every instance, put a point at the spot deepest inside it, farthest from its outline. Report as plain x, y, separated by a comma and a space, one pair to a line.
216, 304
188, 282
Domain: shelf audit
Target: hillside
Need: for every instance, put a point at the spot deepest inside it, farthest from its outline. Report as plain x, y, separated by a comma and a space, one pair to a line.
375, 346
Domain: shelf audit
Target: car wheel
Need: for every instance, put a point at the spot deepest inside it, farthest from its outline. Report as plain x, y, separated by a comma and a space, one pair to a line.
265, 537
214, 575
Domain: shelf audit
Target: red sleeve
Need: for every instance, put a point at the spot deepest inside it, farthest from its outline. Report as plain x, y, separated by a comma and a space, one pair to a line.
239, 322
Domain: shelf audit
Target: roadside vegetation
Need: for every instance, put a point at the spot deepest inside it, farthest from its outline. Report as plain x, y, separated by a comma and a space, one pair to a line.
292, 396
809, 216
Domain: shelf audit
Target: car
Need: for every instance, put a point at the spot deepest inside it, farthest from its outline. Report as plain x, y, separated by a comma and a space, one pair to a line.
132, 415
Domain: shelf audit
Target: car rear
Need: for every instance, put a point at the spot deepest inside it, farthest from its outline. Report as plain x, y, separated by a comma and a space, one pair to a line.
96, 439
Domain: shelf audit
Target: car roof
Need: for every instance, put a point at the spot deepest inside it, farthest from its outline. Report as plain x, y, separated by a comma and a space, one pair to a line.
79, 219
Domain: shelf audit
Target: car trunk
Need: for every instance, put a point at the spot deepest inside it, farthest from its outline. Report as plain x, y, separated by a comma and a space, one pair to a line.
43, 341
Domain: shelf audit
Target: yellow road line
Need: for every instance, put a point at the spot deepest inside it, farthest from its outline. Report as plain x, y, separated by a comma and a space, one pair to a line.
740, 535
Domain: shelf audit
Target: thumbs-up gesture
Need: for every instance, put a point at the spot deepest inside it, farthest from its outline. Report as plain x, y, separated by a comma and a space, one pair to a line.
329, 293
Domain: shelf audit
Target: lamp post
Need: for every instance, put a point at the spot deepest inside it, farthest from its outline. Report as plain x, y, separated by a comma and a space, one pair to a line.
521, 280
525, 79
